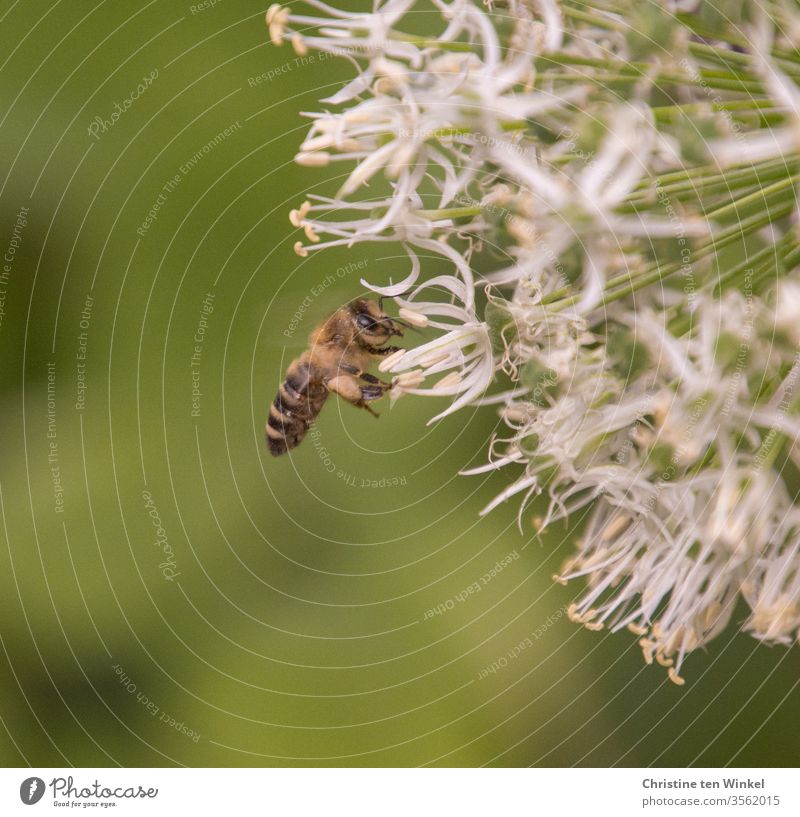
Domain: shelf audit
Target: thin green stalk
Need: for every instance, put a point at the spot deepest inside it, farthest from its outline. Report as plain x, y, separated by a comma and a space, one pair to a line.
775, 441
728, 105
751, 119
714, 194
757, 265
450, 212
593, 19
561, 298
786, 184
702, 170
719, 242
725, 56
731, 180
695, 24
427, 42
637, 69
765, 259
793, 258
731, 83
467, 130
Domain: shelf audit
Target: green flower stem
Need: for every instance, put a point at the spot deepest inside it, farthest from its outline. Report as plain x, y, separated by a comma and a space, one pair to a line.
758, 265
793, 257
637, 70
593, 19
762, 261
715, 195
749, 117
427, 42
768, 451
788, 59
561, 298
735, 79
726, 56
466, 130
775, 441
740, 196
710, 171
710, 32
450, 212
733, 208
717, 83
722, 240
726, 105
728, 181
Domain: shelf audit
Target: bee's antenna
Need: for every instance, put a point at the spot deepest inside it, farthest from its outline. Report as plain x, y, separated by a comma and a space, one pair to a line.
392, 297
400, 321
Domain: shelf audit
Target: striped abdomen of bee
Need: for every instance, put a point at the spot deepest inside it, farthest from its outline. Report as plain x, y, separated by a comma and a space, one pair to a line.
339, 351
296, 406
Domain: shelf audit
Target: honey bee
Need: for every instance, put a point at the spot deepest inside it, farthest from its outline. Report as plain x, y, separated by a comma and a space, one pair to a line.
340, 349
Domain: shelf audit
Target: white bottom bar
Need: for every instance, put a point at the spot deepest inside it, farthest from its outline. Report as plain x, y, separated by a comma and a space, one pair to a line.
401, 792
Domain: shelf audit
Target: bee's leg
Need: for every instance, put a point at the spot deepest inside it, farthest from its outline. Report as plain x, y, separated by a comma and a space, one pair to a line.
382, 351
347, 387
367, 378
370, 378
369, 393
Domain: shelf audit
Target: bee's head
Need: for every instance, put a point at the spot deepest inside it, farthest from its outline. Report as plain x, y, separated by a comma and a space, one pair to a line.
373, 327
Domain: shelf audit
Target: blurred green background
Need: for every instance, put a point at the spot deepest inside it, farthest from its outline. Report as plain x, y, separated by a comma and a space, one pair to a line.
279, 615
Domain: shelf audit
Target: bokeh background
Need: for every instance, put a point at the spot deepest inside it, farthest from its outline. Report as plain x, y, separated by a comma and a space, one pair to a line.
169, 593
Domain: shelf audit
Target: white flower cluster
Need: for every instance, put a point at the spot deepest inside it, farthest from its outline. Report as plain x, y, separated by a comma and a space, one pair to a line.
639, 292
661, 437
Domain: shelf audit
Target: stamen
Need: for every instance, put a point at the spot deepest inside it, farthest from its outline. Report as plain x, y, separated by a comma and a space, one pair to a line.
300, 48
414, 318
615, 528
648, 647
410, 380
316, 159
296, 217
317, 143
277, 17
514, 414
388, 362
452, 379
432, 358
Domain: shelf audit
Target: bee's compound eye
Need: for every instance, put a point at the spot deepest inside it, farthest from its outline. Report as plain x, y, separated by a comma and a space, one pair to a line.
365, 321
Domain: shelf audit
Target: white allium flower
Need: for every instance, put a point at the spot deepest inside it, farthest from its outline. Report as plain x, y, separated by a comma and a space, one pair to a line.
663, 529
775, 142
641, 297
787, 309
463, 354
